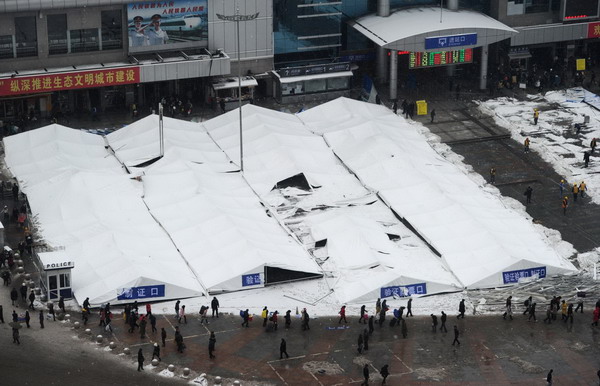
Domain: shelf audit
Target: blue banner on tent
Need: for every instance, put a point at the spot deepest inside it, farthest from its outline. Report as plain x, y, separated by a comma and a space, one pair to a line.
404, 290
144, 292
251, 279
514, 276
451, 41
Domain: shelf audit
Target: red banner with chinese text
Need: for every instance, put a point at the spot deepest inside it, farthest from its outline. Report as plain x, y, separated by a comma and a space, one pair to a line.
69, 81
593, 30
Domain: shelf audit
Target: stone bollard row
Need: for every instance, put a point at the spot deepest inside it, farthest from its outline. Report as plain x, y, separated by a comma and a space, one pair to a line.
112, 345
99, 338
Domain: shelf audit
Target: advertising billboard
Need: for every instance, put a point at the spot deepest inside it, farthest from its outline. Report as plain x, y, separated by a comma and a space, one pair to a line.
444, 58
174, 24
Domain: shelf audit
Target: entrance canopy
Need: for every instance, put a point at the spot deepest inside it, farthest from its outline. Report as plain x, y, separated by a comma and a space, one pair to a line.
408, 29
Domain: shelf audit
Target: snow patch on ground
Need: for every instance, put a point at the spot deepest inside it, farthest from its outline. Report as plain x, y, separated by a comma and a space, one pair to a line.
323, 368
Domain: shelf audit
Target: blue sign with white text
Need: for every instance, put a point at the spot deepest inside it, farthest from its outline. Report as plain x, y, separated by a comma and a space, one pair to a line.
144, 292
514, 276
404, 290
450, 41
251, 279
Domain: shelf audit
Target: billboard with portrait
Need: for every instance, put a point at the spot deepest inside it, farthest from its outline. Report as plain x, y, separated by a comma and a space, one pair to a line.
170, 24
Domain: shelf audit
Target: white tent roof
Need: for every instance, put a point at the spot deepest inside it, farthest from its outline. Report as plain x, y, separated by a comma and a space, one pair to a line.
477, 236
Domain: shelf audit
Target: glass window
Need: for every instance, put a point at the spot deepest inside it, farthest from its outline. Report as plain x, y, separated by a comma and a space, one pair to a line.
315, 85
57, 34
26, 36
292, 88
64, 280
53, 282
83, 40
112, 32
536, 6
337, 83
6, 47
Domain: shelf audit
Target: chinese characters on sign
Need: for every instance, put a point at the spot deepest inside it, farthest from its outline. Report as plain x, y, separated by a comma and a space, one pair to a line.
148, 291
514, 276
403, 291
593, 30
450, 41
69, 81
432, 59
251, 279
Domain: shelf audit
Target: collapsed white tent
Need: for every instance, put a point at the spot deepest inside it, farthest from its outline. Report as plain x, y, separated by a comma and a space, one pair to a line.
88, 205
212, 216
483, 243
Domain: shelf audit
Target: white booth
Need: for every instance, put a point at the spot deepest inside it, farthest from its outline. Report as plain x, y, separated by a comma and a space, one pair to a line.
226, 90
56, 274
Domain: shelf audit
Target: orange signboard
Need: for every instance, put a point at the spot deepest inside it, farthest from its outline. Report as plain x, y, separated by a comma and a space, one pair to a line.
69, 81
593, 30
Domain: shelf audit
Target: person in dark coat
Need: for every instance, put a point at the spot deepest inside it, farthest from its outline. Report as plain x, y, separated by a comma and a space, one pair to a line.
143, 324
23, 290
527, 194
132, 323
153, 322
434, 323
305, 320
288, 318
432, 115
15, 317
61, 304
15, 332
212, 341
177, 308
409, 308
156, 352
395, 107
371, 324
549, 377
586, 158
41, 319
31, 300
283, 349
456, 334
14, 296
27, 318
51, 310
461, 309
342, 314
86, 304
363, 311
443, 319
360, 343
1, 315
163, 335
384, 373
366, 374
508, 311
140, 360
404, 329
532, 312
178, 340
527, 304
246, 316
214, 305
366, 339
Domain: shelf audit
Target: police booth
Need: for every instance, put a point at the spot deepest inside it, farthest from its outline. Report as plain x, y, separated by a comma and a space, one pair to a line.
56, 274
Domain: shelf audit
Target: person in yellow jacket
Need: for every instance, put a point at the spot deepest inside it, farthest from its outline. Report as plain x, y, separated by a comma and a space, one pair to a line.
575, 191
565, 205
265, 316
582, 188
536, 115
563, 308
526, 144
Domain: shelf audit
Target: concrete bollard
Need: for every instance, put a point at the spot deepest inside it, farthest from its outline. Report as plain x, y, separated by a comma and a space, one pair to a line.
76, 325
88, 331
112, 345
126, 351
99, 338
186, 372
171, 368
154, 362
19, 263
60, 316
218, 380
38, 291
67, 316
44, 298
20, 270
31, 284
236, 383
27, 276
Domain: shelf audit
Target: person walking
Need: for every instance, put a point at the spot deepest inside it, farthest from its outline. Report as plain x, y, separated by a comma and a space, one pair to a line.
178, 340
31, 300
527, 194
342, 315
363, 311
586, 158
365, 375
15, 317
409, 308
508, 311
563, 309
377, 306
575, 191
579, 305
212, 341
182, 315
593, 144
548, 314
1, 315
283, 349
14, 297
493, 176
15, 333
461, 309
177, 309
51, 310
532, 313
395, 107
140, 360
443, 325
274, 318
582, 189
456, 334
384, 372
265, 316
596, 316
41, 319
203, 315
381, 317
526, 144
61, 304
214, 305
434, 323
132, 323
360, 343
23, 290
305, 320
549, 377
562, 186
432, 115
27, 318
371, 324
565, 205
536, 116
569, 313
163, 335
366, 339
246, 317
143, 324
156, 352
152, 322
288, 318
